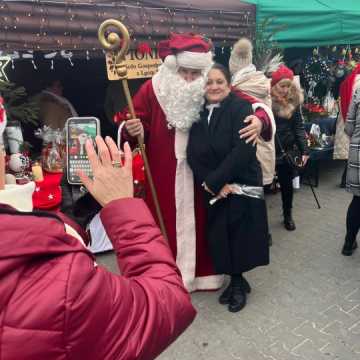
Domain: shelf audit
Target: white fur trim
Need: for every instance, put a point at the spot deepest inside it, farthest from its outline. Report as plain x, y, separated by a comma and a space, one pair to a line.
194, 60
265, 151
185, 221
171, 62
211, 282
185, 212
119, 134
269, 113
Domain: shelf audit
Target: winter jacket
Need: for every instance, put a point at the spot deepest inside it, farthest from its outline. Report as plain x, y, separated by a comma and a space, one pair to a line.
352, 129
290, 132
57, 303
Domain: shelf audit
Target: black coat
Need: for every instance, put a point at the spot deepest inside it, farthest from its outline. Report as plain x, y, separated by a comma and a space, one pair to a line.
237, 227
291, 132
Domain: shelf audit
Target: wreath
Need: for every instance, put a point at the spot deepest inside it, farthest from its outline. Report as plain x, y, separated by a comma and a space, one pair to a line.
316, 69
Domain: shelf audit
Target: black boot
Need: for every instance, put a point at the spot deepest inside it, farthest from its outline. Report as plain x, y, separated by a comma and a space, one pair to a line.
289, 223
237, 299
245, 285
224, 298
349, 247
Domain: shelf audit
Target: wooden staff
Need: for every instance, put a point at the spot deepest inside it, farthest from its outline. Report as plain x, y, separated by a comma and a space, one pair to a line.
112, 42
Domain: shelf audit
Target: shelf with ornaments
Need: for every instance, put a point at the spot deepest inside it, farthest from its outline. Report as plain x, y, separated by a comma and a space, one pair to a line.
321, 74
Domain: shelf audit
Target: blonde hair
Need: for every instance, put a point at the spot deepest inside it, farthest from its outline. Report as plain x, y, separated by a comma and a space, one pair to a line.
285, 106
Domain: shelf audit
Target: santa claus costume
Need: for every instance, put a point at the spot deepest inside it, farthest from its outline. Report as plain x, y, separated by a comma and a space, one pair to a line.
167, 106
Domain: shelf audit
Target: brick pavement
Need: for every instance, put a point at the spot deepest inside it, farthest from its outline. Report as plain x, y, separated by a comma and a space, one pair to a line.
304, 306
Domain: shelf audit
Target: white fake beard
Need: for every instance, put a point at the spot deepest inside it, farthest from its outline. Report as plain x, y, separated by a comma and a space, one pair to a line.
180, 100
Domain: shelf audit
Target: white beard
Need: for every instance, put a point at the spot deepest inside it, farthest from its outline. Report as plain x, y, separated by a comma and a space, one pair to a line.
180, 100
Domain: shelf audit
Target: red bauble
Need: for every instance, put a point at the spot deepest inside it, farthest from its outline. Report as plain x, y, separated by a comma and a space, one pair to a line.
144, 48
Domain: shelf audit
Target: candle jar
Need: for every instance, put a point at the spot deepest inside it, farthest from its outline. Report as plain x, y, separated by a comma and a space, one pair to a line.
53, 151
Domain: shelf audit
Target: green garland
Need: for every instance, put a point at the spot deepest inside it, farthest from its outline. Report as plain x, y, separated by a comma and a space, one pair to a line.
18, 106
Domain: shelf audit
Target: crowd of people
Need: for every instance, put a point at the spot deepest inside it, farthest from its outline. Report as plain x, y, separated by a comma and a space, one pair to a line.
213, 138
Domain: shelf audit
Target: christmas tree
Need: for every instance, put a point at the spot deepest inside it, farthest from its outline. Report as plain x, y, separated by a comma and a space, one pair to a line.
267, 52
17, 104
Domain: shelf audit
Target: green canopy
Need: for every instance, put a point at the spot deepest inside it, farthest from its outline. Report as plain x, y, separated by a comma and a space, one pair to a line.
312, 22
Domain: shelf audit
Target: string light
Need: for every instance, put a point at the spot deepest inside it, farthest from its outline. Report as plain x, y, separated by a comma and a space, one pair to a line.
221, 25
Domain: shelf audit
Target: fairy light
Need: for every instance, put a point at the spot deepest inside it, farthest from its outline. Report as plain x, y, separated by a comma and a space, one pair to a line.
148, 29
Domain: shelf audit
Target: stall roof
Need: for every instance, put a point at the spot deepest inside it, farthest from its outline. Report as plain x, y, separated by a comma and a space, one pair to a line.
56, 24
312, 22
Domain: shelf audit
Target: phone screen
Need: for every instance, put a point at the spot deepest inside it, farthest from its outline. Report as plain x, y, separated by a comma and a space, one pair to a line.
78, 131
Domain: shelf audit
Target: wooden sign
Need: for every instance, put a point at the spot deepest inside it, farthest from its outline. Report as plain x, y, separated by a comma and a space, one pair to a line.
138, 65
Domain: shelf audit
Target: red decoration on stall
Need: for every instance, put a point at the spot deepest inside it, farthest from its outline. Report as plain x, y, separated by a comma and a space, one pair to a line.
2, 110
47, 194
144, 48
314, 108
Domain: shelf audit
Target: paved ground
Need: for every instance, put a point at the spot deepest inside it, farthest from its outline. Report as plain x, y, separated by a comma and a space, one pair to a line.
304, 306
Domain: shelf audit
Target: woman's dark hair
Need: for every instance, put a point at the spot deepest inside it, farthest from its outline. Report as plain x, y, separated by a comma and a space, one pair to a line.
225, 71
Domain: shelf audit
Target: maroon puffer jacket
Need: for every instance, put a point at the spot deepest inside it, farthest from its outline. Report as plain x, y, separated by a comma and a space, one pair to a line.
56, 303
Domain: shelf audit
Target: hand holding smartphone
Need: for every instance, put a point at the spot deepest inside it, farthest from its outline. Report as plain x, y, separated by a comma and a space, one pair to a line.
78, 130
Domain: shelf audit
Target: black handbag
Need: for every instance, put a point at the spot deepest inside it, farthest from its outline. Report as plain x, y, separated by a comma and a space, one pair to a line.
292, 157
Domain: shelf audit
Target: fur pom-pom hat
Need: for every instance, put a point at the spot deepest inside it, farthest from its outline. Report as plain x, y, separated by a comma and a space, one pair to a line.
241, 55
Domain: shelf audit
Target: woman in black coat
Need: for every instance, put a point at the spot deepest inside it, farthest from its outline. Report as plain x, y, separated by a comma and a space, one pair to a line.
225, 166
290, 134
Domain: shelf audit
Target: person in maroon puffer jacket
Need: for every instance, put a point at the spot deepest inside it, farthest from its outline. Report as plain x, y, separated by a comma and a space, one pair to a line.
57, 303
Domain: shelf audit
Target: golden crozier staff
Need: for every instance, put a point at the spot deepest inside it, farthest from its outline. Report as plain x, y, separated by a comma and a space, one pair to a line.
119, 46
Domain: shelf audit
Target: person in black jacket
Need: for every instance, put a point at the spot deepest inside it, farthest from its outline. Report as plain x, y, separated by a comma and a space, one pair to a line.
227, 168
286, 100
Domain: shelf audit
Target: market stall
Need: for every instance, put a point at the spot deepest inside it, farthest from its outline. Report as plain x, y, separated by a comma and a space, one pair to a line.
59, 38
310, 23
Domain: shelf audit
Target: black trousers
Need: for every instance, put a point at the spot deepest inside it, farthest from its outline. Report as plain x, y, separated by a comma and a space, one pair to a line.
343, 177
285, 175
353, 219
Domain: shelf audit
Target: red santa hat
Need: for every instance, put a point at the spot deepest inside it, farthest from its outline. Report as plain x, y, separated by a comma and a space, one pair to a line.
283, 72
186, 50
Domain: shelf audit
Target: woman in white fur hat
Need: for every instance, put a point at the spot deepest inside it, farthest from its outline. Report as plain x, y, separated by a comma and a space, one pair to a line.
256, 86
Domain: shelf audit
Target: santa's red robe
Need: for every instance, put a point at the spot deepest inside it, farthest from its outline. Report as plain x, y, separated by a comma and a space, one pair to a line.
191, 253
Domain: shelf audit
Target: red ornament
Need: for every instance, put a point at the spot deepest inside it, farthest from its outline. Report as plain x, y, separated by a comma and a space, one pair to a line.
138, 168
118, 118
2, 110
138, 174
144, 48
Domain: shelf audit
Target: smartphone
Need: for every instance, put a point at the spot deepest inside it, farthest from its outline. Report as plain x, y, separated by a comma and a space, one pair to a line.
78, 130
